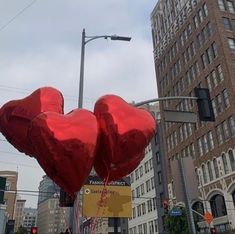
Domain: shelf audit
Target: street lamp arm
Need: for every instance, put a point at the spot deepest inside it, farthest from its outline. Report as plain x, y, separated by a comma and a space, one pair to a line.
91, 38
164, 99
112, 37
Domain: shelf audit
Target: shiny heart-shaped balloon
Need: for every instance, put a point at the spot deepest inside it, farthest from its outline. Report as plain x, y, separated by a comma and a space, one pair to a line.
16, 115
65, 146
125, 132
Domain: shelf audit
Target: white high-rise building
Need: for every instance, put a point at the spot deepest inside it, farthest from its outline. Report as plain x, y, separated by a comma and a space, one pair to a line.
144, 206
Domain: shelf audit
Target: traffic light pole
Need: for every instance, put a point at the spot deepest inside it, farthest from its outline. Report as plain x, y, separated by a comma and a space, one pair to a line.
189, 212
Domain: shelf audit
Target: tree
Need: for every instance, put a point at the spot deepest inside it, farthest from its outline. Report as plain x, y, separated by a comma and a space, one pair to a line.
177, 224
22, 230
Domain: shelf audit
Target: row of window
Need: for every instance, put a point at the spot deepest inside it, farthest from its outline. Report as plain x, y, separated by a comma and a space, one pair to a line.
143, 188
188, 151
204, 35
143, 208
229, 24
206, 32
225, 130
210, 170
214, 78
231, 43
167, 25
145, 228
205, 143
220, 102
139, 172
185, 131
226, 5
209, 55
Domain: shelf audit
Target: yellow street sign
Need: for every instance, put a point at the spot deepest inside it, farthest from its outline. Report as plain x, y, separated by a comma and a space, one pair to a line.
113, 200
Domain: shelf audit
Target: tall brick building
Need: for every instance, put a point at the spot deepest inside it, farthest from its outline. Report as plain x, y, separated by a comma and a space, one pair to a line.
194, 46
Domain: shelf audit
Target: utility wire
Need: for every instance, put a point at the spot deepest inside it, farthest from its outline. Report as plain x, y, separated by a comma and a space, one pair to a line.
18, 14
19, 164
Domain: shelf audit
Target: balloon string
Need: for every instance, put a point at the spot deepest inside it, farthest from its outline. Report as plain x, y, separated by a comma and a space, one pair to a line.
100, 204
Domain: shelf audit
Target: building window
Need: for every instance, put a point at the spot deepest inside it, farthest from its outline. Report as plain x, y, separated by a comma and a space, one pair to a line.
216, 169
231, 43
227, 23
151, 227
205, 9
220, 73
225, 163
204, 61
195, 21
200, 146
145, 228
231, 159
214, 50
230, 6
210, 140
210, 171
219, 134
159, 175
204, 174
226, 98
143, 208
221, 5
226, 131
232, 125
218, 206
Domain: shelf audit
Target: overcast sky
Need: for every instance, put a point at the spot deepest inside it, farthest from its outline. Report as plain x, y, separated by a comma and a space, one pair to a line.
41, 46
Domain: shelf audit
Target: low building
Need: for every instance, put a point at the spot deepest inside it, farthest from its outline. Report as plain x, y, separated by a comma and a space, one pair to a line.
30, 217
19, 213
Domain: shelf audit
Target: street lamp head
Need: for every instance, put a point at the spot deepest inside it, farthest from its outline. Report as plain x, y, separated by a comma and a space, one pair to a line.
119, 38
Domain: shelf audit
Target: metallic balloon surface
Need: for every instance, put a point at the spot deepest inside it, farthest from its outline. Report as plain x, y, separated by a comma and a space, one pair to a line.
16, 115
65, 146
125, 131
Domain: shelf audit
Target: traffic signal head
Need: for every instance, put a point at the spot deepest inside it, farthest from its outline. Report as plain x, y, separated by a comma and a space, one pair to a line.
65, 199
165, 204
213, 231
34, 230
204, 104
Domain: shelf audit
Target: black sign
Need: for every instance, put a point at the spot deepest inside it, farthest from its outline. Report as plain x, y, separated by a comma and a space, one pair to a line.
95, 180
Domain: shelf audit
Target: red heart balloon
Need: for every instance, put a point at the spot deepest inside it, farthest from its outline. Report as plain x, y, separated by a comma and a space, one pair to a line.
16, 115
65, 146
125, 131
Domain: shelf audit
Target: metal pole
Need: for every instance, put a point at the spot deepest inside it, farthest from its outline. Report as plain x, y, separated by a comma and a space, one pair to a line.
115, 224
80, 98
189, 212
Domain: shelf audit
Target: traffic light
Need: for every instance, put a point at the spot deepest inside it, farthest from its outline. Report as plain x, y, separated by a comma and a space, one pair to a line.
66, 200
204, 104
213, 231
34, 230
165, 206
2, 189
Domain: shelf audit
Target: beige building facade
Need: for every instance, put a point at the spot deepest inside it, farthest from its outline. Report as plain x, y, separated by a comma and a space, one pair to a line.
19, 213
51, 218
11, 191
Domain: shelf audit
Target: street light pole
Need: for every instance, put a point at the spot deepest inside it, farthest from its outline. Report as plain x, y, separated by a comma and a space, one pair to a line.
81, 86
80, 98
84, 42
